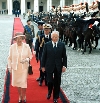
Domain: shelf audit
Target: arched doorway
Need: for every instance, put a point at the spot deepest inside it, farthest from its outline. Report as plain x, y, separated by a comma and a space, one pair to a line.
16, 6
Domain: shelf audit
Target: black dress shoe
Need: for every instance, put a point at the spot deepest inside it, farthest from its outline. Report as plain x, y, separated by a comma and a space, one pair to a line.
40, 84
48, 96
55, 101
38, 79
20, 101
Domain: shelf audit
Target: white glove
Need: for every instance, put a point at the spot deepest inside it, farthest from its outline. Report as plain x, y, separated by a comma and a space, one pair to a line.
34, 52
25, 60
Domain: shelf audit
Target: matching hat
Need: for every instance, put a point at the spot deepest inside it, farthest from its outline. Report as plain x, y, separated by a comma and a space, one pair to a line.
47, 26
19, 34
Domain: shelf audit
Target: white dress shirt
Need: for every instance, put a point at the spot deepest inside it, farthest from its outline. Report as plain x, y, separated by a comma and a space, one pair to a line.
54, 44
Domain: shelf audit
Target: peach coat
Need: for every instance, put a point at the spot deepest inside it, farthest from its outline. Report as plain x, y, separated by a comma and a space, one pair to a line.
19, 70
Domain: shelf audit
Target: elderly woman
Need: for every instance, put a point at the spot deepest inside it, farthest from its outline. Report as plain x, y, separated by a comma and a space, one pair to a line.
18, 62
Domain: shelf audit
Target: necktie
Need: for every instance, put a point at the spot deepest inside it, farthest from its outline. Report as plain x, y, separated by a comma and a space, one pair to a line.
55, 47
46, 36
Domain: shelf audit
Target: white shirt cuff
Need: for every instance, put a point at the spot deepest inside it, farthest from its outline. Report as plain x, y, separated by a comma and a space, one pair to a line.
64, 66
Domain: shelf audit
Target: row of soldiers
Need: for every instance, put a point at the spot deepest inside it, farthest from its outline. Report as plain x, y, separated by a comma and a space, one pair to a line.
43, 36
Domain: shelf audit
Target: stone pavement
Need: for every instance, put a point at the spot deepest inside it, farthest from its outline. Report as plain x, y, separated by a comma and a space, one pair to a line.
81, 81
6, 26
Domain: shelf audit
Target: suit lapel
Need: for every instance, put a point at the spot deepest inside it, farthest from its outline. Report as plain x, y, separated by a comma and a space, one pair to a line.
51, 46
58, 45
49, 36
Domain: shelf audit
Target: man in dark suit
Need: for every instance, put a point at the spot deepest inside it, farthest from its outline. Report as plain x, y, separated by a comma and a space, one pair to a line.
54, 61
41, 40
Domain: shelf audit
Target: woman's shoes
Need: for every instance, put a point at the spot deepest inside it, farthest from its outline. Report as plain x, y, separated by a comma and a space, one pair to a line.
24, 101
20, 101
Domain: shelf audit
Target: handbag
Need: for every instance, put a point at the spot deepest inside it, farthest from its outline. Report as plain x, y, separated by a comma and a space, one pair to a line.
30, 71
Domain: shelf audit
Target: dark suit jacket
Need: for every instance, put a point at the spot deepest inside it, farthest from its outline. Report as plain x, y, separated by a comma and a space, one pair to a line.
50, 59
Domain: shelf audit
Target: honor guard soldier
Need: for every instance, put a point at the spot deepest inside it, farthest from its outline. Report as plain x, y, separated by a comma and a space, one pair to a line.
29, 33
40, 32
41, 40
40, 27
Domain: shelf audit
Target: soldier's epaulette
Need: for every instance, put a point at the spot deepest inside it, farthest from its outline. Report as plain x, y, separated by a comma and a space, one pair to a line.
43, 39
42, 42
37, 36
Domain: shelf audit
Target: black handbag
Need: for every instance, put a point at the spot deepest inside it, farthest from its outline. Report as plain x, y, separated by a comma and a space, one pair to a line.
30, 71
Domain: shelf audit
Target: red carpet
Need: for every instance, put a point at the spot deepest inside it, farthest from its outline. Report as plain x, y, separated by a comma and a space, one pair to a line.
34, 93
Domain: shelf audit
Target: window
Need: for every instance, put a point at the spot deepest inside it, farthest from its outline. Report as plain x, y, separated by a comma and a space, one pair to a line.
3, 5
28, 5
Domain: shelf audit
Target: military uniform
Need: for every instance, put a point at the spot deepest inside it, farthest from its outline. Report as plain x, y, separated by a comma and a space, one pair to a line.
39, 33
41, 40
29, 34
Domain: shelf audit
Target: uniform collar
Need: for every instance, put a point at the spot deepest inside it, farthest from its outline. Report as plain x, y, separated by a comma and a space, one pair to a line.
46, 36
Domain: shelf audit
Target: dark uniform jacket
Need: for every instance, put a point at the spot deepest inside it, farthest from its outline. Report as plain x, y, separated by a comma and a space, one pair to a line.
29, 32
51, 59
41, 40
40, 32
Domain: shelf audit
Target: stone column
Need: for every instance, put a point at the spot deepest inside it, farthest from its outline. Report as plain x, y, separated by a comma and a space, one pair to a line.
49, 5
36, 5
62, 3
9, 4
22, 7
78, 1
74, 2
90, 2
82, 1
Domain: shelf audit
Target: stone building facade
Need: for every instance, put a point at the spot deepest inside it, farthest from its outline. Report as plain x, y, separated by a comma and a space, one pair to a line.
7, 6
